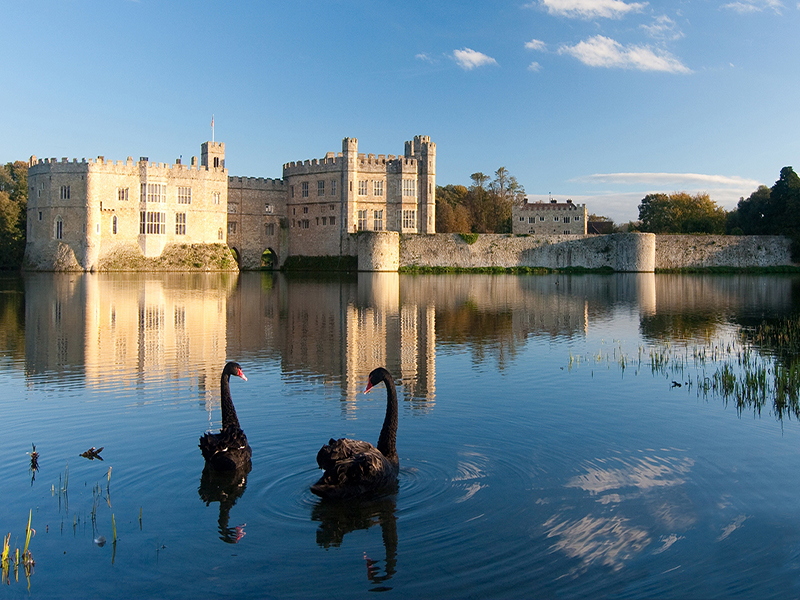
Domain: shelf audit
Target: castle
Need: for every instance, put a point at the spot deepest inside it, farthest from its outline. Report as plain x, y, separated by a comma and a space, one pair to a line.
83, 215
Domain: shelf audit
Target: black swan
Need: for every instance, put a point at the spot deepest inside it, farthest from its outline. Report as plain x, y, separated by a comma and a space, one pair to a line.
227, 450
354, 468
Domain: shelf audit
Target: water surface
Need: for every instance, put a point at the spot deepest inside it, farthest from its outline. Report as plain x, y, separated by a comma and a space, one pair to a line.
541, 453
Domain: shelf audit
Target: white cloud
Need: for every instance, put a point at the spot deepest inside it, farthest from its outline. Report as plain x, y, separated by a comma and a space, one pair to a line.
424, 57
591, 9
534, 66
663, 28
468, 59
600, 51
751, 6
535, 45
671, 179
618, 195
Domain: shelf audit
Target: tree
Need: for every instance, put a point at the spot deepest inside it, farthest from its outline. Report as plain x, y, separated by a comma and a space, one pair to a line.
680, 212
13, 213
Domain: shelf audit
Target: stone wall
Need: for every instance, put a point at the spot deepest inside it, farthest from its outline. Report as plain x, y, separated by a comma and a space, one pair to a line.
621, 252
686, 251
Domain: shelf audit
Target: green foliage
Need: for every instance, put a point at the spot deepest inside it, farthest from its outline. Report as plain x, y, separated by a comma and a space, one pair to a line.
680, 212
469, 238
771, 211
484, 207
13, 213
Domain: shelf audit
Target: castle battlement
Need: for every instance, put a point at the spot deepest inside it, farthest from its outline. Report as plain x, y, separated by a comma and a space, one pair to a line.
101, 165
257, 183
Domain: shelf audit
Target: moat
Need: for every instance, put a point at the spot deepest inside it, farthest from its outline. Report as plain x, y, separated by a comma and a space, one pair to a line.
559, 435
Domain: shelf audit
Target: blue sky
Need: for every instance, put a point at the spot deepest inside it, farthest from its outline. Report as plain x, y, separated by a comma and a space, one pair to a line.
596, 100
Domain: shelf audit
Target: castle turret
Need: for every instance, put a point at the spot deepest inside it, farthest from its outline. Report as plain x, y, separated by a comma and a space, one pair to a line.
424, 151
349, 181
212, 155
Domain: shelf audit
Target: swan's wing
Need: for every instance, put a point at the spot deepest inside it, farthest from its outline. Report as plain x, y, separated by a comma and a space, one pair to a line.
342, 449
361, 474
225, 450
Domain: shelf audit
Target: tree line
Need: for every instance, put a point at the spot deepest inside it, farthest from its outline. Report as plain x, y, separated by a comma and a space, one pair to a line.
13, 213
483, 207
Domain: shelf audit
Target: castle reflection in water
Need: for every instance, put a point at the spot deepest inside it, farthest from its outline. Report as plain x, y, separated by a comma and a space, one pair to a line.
123, 330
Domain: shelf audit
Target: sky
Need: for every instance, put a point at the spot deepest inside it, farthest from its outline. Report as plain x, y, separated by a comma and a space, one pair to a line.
599, 101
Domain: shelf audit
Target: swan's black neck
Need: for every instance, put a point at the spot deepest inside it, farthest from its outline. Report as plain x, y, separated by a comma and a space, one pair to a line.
388, 438
229, 417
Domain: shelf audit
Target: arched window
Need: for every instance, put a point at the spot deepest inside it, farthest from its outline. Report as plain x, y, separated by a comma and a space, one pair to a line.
219, 233
58, 231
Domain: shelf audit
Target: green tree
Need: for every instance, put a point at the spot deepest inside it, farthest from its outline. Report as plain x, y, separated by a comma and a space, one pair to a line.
680, 212
451, 212
13, 213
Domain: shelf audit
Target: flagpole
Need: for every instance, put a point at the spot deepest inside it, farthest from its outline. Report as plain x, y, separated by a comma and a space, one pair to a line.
212, 128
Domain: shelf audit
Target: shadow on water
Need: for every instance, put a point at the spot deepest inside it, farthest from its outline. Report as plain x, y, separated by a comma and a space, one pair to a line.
226, 488
337, 519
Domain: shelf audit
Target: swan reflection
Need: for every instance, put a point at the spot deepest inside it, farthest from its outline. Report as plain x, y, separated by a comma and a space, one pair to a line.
336, 519
225, 487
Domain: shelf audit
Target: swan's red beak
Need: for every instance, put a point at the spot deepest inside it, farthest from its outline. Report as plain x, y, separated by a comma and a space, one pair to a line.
240, 374
369, 387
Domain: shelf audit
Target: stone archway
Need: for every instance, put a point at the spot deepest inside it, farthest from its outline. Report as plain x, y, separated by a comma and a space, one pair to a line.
236, 256
269, 259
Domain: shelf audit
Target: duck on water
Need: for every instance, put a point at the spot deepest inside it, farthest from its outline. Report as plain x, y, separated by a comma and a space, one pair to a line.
354, 468
227, 450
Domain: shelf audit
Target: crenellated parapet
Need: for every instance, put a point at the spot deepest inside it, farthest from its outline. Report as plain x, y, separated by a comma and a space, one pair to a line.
257, 183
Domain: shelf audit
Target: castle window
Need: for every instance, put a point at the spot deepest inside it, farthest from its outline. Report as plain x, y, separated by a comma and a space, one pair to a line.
321, 187
40, 215
269, 228
152, 222
305, 210
324, 220
184, 195
541, 218
304, 189
566, 219
215, 197
333, 220
409, 187
530, 219
333, 187
219, 233
180, 223
555, 218
58, 232
577, 218
362, 220
378, 220
64, 193
409, 219
232, 208
362, 188
216, 162
232, 228
114, 225
566, 232
291, 191
268, 209
154, 192
377, 188
304, 224
332, 207
122, 194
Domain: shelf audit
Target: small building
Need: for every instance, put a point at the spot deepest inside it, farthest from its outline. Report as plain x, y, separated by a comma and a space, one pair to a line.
549, 218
